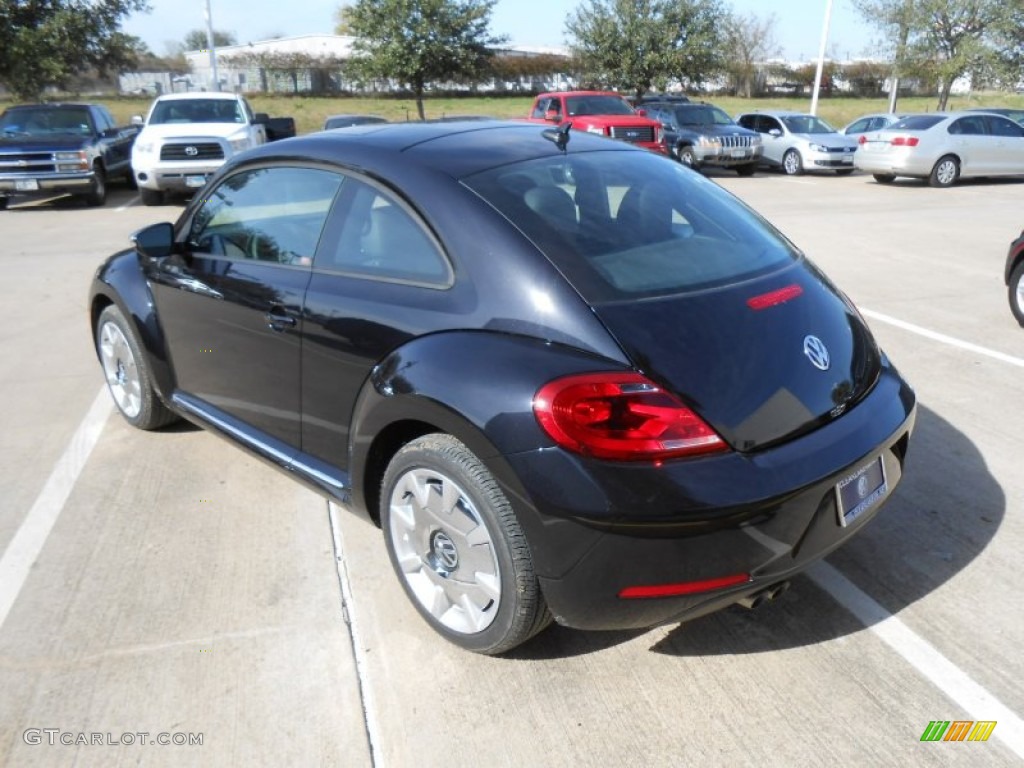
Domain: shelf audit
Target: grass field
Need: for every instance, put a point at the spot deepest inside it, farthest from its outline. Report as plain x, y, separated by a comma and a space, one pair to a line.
309, 111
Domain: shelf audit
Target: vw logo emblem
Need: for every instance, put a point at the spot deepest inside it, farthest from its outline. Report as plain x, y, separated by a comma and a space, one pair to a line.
816, 352
191, 151
445, 552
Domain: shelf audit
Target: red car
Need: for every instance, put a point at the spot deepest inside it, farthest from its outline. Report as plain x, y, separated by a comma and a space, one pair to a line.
601, 112
1014, 277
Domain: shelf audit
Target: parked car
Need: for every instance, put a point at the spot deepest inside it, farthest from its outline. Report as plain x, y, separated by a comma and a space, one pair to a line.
346, 121
660, 98
187, 136
599, 112
797, 142
944, 147
701, 135
868, 123
1017, 115
568, 379
62, 148
1014, 277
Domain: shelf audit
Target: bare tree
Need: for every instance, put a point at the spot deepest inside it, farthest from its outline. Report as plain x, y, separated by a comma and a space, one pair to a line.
750, 41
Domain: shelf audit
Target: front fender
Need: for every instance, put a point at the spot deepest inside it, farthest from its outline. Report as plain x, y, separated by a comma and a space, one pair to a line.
120, 281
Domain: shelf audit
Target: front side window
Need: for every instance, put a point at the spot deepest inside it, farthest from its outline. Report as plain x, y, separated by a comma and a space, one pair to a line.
1001, 126
626, 225
379, 238
271, 214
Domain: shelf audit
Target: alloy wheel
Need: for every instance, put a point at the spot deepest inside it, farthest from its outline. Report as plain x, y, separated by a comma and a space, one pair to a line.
121, 370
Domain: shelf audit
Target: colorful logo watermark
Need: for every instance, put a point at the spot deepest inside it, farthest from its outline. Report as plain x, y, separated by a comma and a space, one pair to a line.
958, 730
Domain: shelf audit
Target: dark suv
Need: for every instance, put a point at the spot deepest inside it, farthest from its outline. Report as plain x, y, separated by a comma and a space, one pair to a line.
703, 135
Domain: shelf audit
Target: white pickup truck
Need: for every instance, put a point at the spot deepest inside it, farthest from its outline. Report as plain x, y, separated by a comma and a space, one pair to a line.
188, 136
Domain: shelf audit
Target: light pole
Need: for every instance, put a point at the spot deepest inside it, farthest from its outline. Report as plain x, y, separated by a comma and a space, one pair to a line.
821, 57
210, 46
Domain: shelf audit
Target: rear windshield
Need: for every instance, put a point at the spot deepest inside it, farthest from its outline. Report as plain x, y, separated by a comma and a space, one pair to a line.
916, 123
624, 225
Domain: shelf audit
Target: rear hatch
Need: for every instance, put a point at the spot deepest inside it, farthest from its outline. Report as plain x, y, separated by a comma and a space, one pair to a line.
761, 362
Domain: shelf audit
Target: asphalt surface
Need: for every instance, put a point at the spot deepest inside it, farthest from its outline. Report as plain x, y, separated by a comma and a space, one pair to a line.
166, 584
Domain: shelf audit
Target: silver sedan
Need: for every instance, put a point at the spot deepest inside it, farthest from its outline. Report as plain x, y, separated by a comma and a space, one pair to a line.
943, 147
798, 142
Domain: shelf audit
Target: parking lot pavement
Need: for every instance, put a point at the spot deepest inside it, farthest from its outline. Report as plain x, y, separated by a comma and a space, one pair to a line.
186, 588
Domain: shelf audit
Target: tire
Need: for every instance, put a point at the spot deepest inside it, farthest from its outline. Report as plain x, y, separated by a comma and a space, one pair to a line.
127, 372
151, 196
844, 171
1017, 292
746, 170
945, 173
457, 548
792, 163
885, 178
129, 179
3, 203
688, 157
98, 195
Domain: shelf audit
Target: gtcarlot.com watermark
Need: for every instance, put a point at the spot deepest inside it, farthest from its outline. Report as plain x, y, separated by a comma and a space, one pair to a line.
56, 736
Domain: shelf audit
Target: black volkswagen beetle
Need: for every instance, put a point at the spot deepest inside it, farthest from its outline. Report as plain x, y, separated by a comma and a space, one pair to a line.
570, 379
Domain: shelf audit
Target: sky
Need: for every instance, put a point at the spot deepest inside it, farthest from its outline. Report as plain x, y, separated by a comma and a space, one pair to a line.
526, 22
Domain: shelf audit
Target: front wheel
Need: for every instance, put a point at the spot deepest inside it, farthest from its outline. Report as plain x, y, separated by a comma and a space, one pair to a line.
127, 373
792, 163
98, 195
688, 157
1017, 292
457, 547
945, 173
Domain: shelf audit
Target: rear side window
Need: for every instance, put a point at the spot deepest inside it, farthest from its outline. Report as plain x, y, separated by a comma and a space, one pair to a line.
623, 225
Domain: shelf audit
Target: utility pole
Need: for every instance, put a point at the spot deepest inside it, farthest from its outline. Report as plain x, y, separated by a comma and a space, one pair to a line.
210, 46
821, 57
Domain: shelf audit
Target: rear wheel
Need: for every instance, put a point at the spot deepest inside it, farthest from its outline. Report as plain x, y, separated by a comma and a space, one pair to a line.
1017, 292
945, 173
151, 196
884, 178
3, 203
688, 157
127, 373
746, 170
457, 547
98, 195
792, 163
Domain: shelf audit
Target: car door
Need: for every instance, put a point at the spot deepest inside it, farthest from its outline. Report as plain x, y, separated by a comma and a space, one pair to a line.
230, 299
117, 142
380, 280
1008, 138
775, 144
969, 140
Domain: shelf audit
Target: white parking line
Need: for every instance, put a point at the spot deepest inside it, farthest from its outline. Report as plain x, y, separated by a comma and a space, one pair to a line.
943, 338
127, 205
924, 657
30, 537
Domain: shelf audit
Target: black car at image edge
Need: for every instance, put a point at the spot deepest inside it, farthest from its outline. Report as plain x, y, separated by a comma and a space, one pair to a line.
568, 378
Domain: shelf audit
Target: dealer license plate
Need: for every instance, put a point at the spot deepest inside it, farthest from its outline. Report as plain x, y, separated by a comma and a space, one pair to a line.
862, 490
195, 181
848, 160
26, 185
739, 153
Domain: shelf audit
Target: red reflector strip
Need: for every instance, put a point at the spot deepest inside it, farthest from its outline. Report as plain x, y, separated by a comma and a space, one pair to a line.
780, 296
686, 587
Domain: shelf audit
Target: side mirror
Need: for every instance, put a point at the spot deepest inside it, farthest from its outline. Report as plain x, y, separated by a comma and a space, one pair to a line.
775, 132
137, 120
155, 241
642, 112
553, 116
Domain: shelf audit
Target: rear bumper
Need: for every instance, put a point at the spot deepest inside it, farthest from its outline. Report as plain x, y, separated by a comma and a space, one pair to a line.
892, 164
605, 527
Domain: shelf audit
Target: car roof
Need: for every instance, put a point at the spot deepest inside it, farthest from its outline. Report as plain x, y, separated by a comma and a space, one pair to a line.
53, 105
779, 113
196, 95
455, 148
549, 94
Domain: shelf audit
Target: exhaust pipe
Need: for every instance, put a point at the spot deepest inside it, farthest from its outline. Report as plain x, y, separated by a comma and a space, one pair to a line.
765, 595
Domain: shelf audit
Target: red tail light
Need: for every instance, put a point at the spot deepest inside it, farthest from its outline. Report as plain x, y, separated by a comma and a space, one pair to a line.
685, 588
621, 416
905, 141
863, 139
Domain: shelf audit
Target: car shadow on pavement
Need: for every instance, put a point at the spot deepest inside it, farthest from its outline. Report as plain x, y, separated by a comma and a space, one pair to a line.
944, 513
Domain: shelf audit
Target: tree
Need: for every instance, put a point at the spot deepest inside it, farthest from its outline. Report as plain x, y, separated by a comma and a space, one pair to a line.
417, 42
196, 40
750, 40
945, 40
633, 44
46, 43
